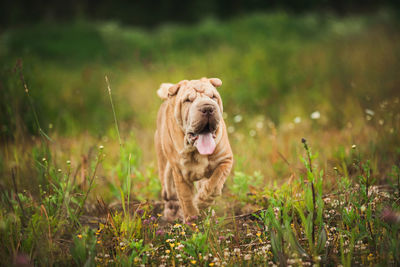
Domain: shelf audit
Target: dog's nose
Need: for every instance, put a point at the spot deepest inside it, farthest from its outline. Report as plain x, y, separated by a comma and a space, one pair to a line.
207, 110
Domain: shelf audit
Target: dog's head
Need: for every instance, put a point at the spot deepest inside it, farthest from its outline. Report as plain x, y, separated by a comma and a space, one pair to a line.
197, 110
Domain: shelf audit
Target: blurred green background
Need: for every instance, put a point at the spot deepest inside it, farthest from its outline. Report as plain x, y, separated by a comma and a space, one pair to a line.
325, 70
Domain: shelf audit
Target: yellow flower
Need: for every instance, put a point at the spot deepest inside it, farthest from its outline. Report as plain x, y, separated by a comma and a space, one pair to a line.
193, 262
98, 241
258, 234
211, 264
167, 251
370, 257
183, 233
193, 224
159, 215
79, 236
155, 225
172, 245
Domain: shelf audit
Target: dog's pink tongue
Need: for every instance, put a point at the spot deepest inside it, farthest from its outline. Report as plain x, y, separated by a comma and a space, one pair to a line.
205, 144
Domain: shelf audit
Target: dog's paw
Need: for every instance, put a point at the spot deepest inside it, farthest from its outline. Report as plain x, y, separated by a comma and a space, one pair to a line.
172, 211
202, 201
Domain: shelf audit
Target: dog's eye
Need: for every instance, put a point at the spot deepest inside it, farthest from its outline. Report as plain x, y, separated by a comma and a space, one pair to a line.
214, 98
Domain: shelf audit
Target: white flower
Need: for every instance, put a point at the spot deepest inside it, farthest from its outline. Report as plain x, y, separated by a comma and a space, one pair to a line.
315, 115
231, 129
252, 133
247, 257
297, 120
260, 125
238, 118
369, 112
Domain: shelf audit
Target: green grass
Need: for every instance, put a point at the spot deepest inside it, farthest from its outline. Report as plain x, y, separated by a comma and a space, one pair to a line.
79, 180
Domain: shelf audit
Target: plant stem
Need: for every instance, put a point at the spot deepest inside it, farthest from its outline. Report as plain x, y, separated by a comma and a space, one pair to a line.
304, 141
113, 109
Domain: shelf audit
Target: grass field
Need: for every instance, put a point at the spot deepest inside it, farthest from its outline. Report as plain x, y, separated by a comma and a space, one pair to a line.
72, 194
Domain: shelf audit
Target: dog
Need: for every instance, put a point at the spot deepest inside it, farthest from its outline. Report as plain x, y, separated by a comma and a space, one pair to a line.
192, 145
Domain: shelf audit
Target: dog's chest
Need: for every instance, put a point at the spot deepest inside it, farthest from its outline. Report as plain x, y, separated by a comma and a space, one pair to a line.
196, 167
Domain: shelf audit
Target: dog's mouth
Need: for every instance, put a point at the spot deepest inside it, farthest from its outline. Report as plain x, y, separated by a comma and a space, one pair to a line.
203, 140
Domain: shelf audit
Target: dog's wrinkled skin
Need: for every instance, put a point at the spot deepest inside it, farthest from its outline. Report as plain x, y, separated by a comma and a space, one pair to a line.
192, 146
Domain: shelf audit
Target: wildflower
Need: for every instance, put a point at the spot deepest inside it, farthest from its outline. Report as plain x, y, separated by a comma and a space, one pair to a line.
172, 245
353, 146
98, 241
211, 264
146, 221
43, 159
155, 225
247, 257
177, 225
238, 118
167, 251
59, 170
68, 162
297, 120
315, 115
258, 234
101, 147
79, 236
183, 233
159, 232
252, 133
140, 212
159, 215
193, 262
363, 208
260, 125
369, 112
370, 257
236, 250
231, 129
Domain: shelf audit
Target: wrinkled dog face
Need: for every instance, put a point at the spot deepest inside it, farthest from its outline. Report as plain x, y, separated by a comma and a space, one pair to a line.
198, 111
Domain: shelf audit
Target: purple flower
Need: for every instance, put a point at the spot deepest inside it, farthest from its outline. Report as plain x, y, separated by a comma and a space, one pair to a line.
153, 218
140, 212
160, 232
146, 221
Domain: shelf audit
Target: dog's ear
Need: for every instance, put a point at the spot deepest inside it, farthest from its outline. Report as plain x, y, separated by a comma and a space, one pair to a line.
167, 89
215, 81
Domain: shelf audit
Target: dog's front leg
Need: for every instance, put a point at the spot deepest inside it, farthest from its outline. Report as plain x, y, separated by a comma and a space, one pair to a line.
185, 191
212, 188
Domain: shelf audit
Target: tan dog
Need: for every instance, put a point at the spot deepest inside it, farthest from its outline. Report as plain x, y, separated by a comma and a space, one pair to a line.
192, 145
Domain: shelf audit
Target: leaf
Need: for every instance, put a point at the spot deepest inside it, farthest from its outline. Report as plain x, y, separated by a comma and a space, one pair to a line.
321, 240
